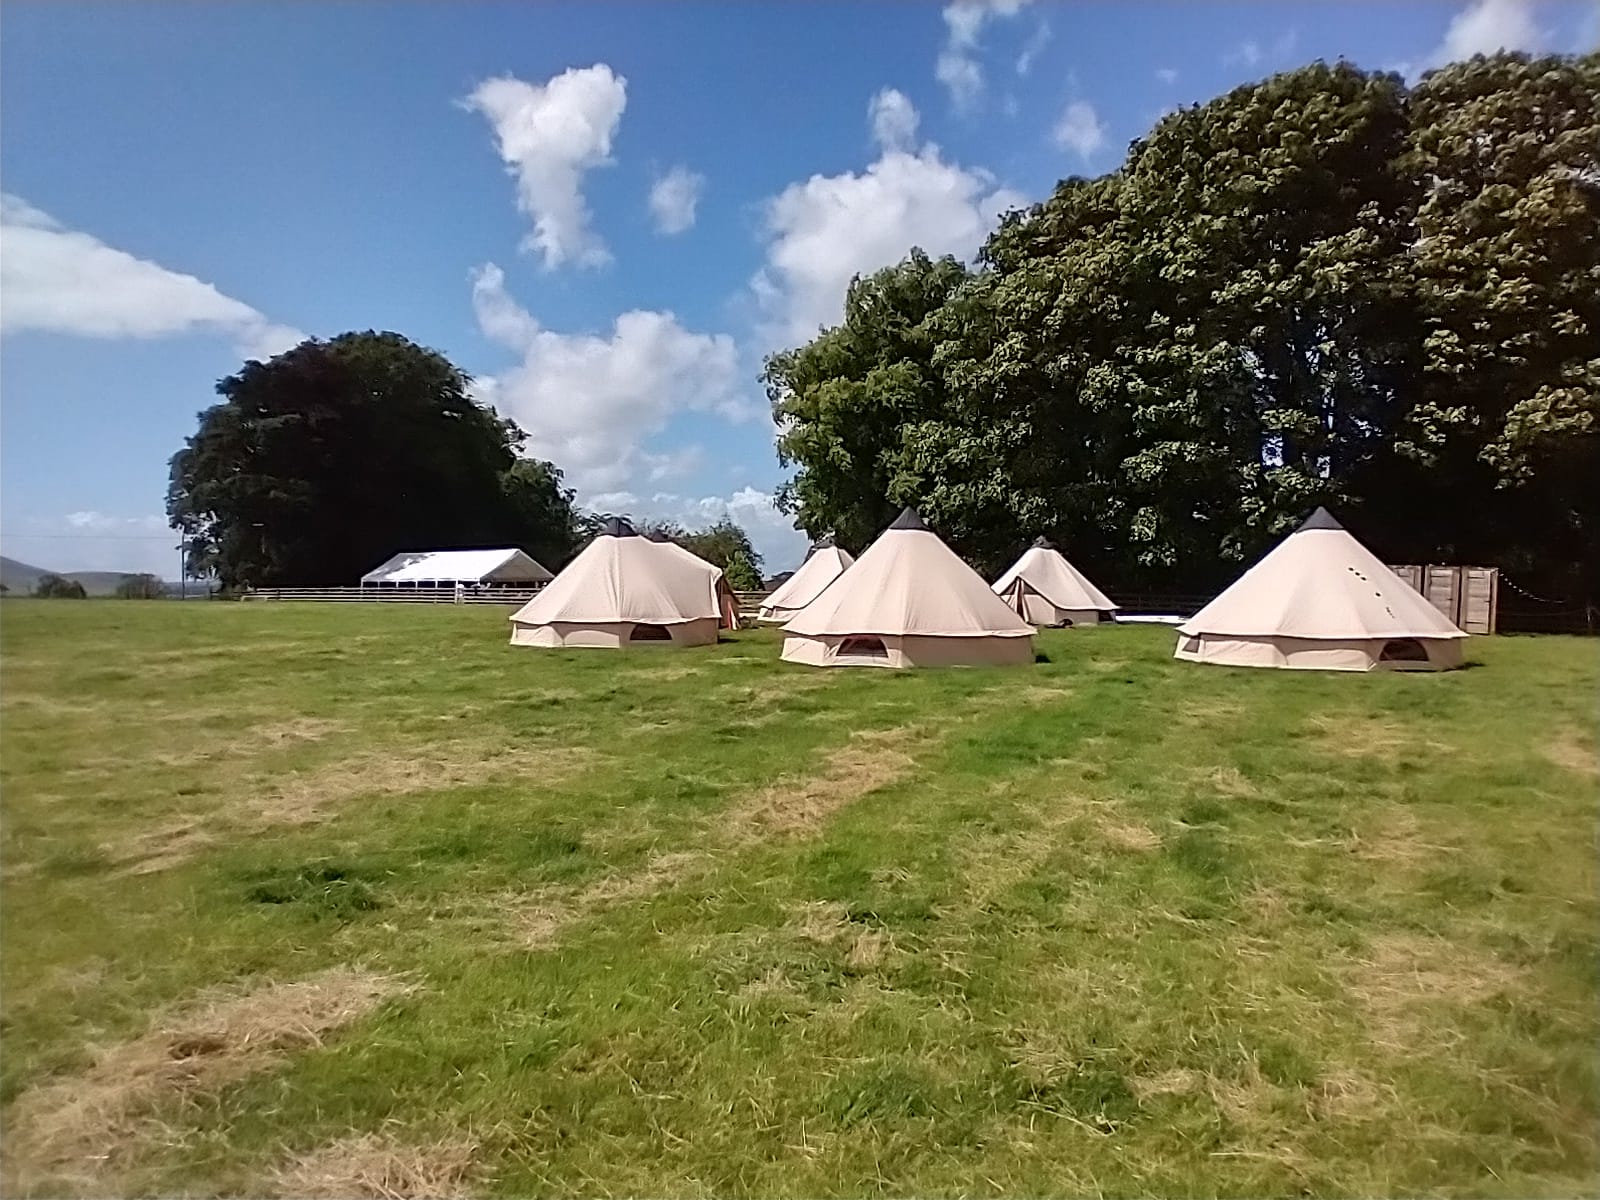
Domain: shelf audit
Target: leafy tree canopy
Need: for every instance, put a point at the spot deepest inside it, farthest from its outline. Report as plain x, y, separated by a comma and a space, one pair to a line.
1321, 288
141, 587
325, 460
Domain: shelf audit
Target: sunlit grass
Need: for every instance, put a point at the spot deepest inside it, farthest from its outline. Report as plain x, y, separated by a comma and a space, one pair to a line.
700, 922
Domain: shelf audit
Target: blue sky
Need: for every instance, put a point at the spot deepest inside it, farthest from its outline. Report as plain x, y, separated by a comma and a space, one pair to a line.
608, 213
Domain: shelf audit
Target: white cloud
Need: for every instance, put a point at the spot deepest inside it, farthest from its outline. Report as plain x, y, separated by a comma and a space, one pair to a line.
57, 280
773, 534
1251, 53
894, 119
1036, 44
673, 198
825, 230
957, 67
1079, 129
1487, 26
550, 135
591, 403
1167, 75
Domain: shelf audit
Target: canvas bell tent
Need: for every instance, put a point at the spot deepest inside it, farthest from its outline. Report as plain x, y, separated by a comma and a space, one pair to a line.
507, 567
624, 590
1043, 588
1321, 601
908, 601
824, 563
727, 602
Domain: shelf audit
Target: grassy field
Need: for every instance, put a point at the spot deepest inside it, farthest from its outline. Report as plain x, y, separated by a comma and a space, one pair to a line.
361, 900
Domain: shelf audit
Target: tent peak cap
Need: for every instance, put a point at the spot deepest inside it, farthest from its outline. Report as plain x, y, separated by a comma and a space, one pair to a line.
616, 527
909, 518
1321, 518
1043, 543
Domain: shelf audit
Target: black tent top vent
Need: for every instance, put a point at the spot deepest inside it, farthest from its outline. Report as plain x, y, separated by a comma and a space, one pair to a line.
1321, 519
908, 519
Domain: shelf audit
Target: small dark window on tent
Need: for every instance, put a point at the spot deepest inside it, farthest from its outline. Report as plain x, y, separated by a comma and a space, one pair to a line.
1066, 622
650, 633
863, 647
1191, 645
1403, 650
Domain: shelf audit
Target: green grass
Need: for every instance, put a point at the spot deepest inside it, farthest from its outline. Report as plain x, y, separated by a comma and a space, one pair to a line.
700, 922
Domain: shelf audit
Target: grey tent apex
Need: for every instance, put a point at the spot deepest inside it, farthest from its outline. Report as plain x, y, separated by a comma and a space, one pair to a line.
1320, 519
616, 527
1043, 543
908, 519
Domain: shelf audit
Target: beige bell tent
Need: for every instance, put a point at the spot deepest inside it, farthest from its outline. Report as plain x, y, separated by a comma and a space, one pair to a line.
1321, 601
624, 590
908, 601
824, 563
727, 602
1043, 588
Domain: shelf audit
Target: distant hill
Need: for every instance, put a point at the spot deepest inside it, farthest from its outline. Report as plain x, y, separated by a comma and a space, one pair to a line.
21, 578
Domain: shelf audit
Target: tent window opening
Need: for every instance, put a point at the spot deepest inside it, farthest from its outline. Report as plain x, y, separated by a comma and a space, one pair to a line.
863, 647
650, 633
1191, 645
1403, 650
1066, 622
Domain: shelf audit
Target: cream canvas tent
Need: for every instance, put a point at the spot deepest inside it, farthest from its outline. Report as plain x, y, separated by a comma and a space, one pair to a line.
624, 590
1322, 601
824, 563
908, 601
1043, 588
727, 602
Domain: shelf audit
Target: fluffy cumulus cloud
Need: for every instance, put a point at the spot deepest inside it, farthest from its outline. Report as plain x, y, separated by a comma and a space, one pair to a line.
1488, 26
592, 403
58, 280
773, 534
958, 66
826, 229
550, 135
1079, 129
674, 198
894, 119
1167, 75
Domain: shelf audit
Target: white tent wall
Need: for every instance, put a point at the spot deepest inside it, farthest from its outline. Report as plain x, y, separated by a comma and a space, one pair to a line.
615, 635
909, 650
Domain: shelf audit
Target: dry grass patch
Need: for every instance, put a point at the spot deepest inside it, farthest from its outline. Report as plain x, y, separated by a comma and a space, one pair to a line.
265, 801
86, 1126
542, 922
1229, 781
1361, 735
1403, 975
799, 807
1574, 751
374, 1167
301, 729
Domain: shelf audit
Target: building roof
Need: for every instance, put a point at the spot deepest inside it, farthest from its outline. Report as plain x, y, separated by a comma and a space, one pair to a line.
507, 565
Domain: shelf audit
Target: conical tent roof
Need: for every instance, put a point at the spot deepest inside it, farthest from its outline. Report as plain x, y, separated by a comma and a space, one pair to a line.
822, 566
1043, 568
619, 577
1319, 582
908, 582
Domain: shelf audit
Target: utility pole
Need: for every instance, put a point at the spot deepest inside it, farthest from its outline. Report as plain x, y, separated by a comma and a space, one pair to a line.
183, 567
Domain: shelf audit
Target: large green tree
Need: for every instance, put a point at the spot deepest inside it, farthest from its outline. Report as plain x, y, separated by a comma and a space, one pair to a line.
1320, 288
842, 402
329, 458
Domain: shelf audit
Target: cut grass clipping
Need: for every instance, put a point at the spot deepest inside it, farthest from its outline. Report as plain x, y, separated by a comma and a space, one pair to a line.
361, 901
